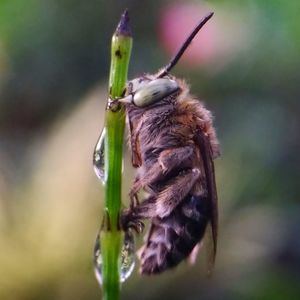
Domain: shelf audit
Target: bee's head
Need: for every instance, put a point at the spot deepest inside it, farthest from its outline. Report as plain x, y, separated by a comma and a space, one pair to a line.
147, 90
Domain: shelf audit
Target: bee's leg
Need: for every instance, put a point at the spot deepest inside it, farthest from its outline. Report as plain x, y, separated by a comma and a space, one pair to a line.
175, 158
163, 203
168, 160
131, 217
134, 200
129, 220
146, 209
175, 192
134, 131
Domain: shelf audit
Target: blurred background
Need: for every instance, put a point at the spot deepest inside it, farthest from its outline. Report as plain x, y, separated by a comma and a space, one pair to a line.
54, 63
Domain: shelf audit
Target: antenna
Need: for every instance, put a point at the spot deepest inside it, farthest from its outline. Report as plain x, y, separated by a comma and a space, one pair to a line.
184, 46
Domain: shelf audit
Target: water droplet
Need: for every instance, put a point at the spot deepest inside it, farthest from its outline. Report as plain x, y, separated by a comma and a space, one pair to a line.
98, 260
127, 257
98, 157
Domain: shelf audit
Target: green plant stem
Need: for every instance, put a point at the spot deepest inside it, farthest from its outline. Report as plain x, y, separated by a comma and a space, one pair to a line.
111, 236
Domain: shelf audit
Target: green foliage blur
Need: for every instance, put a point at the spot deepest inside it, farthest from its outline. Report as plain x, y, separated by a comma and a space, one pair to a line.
54, 61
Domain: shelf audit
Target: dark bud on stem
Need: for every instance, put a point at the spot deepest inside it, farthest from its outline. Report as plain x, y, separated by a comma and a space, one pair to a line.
123, 27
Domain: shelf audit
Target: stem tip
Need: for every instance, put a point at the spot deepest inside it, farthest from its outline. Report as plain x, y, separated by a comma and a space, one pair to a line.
123, 27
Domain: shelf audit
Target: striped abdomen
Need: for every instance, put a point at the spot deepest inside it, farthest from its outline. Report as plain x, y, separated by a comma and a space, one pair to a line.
172, 239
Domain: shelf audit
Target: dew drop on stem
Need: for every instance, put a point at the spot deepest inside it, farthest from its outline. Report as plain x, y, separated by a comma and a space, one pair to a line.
127, 259
99, 159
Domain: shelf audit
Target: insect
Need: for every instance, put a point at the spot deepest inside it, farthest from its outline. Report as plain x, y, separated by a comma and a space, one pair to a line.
173, 144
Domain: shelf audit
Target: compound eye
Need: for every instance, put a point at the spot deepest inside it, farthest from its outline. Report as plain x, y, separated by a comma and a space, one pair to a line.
136, 84
129, 88
154, 91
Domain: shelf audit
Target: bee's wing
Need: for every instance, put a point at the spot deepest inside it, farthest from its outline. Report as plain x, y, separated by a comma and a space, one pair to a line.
210, 247
212, 228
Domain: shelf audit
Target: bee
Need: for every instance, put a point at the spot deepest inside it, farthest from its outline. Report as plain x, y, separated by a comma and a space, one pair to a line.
173, 144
